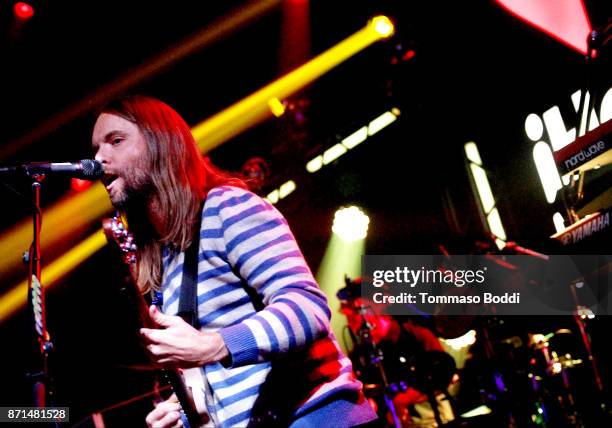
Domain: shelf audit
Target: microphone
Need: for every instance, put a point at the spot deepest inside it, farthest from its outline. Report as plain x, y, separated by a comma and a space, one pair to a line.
87, 169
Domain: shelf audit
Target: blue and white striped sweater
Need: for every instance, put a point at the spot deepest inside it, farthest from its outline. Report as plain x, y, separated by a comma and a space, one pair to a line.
246, 243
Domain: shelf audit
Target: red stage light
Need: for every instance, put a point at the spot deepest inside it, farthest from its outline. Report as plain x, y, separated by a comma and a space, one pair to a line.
23, 11
410, 53
79, 185
564, 20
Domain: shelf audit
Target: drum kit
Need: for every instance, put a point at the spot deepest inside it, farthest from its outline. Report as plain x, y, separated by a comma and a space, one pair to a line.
504, 372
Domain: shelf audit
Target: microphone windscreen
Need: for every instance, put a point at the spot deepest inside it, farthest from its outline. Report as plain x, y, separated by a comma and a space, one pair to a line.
91, 169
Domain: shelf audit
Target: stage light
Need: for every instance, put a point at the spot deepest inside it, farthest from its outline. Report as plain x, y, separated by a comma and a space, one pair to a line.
485, 196
276, 107
484, 190
382, 26
81, 208
286, 188
255, 109
471, 152
410, 53
333, 153
273, 196
315, 164
15, 299
350, 224
23, 11
353, 140
356, 138
282, 192
341, 259
382, 121
497, 228
79, 185
88, 206
564, 20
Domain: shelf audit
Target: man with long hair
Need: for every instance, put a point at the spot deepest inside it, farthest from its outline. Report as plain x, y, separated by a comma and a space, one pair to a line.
264, 342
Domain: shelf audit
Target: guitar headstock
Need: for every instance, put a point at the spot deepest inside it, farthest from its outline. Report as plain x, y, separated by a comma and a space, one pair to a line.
116, 233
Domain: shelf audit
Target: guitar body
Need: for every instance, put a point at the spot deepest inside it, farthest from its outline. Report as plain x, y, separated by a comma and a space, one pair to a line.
187, 384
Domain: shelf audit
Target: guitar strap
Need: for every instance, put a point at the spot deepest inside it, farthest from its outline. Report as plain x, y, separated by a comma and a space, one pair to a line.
188, 299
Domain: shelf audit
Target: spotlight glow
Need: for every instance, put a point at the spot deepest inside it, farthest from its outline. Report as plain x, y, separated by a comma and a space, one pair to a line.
484, 189
356, 138
350, 224
286, 188
273, 196
315, 164
276, 107
485, 195
23, 11
382, 26
381, 122
333, 153
472, 153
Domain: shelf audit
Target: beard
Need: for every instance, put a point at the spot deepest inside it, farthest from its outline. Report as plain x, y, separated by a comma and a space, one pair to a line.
137, 189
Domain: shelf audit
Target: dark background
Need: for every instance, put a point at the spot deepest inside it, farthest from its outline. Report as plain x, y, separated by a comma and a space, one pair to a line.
477, 73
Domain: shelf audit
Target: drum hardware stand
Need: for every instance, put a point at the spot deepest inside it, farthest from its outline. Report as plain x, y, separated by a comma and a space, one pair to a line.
581, 315
431, 397
498, 378
566, 399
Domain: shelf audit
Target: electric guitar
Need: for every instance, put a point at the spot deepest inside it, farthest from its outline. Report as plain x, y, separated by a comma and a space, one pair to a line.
187, 384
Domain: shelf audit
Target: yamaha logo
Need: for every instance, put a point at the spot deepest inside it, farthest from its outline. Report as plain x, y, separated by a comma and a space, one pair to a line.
588, 228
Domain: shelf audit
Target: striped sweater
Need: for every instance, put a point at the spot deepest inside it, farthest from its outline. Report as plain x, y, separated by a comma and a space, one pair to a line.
255, 289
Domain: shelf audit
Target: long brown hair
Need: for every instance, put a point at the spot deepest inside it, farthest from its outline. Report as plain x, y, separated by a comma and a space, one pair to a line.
180, 179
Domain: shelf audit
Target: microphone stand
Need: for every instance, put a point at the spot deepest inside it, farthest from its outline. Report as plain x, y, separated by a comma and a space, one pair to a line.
375, 358
36, 301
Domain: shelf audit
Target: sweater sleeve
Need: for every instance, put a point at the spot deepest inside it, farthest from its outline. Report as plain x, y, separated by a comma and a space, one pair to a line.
261, 248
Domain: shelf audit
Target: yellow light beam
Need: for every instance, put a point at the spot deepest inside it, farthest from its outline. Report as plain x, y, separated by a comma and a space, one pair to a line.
340, 258
220, 29
15, 299
86, 207
255, 108
71, 213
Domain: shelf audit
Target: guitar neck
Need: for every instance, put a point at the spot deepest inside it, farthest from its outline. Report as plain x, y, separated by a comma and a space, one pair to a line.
117, 234
175, 379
